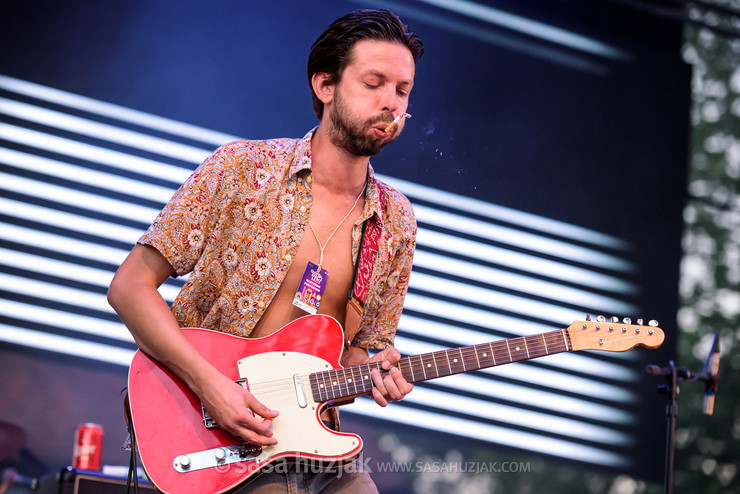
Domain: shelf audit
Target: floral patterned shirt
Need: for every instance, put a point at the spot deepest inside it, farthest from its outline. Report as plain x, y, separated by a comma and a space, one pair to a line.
237, 222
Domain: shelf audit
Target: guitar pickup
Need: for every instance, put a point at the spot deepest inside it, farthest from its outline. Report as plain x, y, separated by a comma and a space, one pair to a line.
208, 420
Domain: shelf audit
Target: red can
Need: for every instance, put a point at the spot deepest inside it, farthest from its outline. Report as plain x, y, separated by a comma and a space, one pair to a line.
88, 448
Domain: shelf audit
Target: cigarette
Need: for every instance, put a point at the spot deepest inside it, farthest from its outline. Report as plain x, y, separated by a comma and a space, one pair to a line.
395, 121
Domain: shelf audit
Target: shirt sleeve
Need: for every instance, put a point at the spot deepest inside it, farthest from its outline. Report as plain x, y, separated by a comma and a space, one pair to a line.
182, 229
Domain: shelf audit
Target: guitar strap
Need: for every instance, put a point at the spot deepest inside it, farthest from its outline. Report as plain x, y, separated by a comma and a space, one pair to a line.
369, 242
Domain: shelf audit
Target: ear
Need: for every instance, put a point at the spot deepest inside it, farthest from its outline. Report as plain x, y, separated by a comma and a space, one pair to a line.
323, 86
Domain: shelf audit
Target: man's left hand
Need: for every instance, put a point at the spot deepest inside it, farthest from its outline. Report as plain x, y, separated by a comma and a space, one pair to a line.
390, 386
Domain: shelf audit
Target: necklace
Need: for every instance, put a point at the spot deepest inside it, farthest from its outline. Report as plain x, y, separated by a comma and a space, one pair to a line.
322, 247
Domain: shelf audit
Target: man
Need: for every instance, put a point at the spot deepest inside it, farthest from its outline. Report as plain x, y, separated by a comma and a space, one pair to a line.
259, 217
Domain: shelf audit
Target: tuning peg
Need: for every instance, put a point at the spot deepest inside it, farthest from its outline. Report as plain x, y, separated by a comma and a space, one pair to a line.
653, 322
614, 319
600, 319
627, 320
588, 317
639, 322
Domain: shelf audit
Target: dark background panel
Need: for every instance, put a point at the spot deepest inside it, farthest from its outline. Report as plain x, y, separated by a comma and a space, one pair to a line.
500, 116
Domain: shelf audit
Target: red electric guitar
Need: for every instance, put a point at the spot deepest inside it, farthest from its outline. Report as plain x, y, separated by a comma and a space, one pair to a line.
296, 371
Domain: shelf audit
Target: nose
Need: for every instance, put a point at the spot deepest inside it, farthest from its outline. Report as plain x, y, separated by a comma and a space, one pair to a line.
390, 101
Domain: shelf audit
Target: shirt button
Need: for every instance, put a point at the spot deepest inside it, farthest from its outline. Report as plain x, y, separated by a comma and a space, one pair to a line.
288, 257
260, 304
303, 209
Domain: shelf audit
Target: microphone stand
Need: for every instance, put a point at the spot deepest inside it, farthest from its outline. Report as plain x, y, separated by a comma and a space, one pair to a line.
709, 374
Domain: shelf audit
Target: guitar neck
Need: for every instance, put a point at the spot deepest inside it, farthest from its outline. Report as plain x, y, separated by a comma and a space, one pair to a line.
343, 383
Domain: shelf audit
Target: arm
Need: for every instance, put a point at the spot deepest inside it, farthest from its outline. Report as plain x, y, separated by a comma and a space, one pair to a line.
134, 296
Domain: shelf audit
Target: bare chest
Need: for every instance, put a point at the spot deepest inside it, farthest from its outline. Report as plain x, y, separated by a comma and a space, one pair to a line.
328, 240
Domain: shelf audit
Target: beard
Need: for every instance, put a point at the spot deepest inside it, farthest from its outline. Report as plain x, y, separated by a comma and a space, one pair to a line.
356, 138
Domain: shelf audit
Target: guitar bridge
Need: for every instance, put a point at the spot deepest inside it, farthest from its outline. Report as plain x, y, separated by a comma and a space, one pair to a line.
208, 420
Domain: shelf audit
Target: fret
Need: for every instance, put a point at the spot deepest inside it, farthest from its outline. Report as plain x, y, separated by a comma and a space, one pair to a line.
352, 380
526, 348
462, 359
345, 381
411, 368
449, 365
493, 354
423, 369
565, 342
367, 380
323, 386
434, 361
476, 355
544, 342
508, 349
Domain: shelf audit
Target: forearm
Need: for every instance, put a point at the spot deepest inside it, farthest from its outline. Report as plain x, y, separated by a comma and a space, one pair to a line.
134, 296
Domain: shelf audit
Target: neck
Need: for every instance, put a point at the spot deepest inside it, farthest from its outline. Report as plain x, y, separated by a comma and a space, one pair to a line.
334, 168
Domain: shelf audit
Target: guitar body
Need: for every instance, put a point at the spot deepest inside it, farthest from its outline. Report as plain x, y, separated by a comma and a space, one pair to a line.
180, 453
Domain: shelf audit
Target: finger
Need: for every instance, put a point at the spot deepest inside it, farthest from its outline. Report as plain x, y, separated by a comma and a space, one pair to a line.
402, 384
391, 386
253, 437
260, 409
390, 358
379, 391
379, 398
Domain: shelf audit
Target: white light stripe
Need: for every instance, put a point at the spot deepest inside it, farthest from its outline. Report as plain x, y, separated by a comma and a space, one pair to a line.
65, 320
54, 292
82, 175
501, 213
509, 236
536, 375
69, 271
69, 221
491, 298
531, 28
83, 200
53, 267
94, 154
491, 433
523, 262
456, 336
67, 346
137, 140
114, 111
518, 416
550, 400
526, 284
64, 245
491, 320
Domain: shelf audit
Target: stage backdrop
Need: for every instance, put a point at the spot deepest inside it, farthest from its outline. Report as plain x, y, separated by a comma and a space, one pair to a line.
545, 160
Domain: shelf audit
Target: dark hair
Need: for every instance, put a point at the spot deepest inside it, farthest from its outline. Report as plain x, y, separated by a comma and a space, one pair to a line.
331, 51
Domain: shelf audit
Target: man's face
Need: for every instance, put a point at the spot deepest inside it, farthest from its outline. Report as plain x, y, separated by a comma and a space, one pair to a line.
374, 88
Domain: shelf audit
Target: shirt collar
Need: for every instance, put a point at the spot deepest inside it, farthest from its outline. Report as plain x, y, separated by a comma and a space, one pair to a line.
302, 155
302, 161
372, 198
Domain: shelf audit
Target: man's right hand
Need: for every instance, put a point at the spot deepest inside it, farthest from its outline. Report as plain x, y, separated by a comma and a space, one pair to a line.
231, 406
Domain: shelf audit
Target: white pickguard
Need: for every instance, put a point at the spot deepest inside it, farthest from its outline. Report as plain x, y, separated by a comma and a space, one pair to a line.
298, 429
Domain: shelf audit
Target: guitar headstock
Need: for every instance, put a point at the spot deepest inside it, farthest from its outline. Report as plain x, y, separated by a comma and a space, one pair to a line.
613, 335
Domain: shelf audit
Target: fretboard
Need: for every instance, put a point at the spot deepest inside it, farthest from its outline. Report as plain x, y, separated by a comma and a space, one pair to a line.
339, 384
